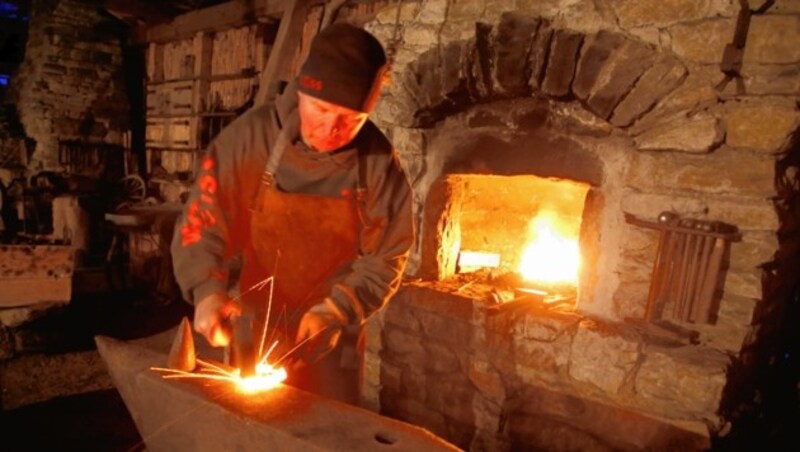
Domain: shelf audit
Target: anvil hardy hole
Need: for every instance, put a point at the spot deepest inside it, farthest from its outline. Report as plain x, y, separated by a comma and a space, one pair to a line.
385, 438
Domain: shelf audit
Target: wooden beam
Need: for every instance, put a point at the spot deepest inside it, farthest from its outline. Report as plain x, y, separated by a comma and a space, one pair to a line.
284, 49
136, 13
219, 17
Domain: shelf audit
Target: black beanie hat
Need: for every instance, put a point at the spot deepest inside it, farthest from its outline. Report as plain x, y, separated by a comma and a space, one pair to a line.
345, 66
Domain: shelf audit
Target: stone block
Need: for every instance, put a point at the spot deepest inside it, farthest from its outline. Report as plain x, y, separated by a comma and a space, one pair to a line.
723, 336
773, 39
540, 432
762, 126
554, 420
755, 249
404, 346
402, 314
391, 375
546, 8
479, 81
786, 7
452, 396
602, 357
453, 64
781, 79
743, 283
83, 73
736, 311
684, 382
576, 120
54, 69
546, 325
371, 371
433, 12
419, 35
540, 49
457, 31
441, 298
748, 214
441, 358
537, 362
698, 133
447, 330
487, 380
619, 76
725, 171
430, 94
561, 62
373, 330
662, 77
703, 41
413, 383
596, 52
397, 110
388, 15
629, 298
466, 10
661, 13
513, 39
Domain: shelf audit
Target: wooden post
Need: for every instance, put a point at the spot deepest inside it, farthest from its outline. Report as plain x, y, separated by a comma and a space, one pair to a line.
283, 52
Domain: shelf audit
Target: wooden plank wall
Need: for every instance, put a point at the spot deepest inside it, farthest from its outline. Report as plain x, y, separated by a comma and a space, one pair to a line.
194, 84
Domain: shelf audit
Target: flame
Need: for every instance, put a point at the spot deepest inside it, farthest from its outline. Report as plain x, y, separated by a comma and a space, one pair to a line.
552, 256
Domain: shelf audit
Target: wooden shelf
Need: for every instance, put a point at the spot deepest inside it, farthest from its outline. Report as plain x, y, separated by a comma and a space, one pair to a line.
250, 73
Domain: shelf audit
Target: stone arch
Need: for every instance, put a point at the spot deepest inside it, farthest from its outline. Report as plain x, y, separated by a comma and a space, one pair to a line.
617, 78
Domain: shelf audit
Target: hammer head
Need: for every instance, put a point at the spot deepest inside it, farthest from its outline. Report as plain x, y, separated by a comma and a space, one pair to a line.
243, 344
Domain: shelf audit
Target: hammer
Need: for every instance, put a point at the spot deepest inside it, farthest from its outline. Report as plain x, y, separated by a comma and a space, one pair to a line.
243, 343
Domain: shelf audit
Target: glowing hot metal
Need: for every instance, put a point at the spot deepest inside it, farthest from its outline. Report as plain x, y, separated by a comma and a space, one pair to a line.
267, 376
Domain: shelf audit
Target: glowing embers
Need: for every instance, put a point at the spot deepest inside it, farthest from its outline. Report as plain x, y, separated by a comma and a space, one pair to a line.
552, 256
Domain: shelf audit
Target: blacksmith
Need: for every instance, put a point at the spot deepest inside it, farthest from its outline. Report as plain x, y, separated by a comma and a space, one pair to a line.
308, 190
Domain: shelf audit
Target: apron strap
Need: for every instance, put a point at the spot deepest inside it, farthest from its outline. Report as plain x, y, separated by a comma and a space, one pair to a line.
276, 147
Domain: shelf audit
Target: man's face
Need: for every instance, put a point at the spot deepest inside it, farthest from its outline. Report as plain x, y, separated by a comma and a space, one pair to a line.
326, 127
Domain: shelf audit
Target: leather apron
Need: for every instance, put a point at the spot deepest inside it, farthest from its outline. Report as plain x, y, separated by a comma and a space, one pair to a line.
308, 243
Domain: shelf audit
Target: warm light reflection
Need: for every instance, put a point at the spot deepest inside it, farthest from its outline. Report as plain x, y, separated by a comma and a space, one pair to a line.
552, 255
266, 377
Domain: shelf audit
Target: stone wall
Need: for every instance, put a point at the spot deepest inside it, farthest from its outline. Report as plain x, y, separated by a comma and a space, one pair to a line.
70, 85
527, 377
639, 85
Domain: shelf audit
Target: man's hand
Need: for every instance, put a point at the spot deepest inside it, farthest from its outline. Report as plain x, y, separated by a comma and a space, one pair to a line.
318, 333
212, 319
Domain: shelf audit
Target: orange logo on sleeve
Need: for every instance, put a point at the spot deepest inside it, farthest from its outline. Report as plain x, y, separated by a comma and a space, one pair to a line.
198, 213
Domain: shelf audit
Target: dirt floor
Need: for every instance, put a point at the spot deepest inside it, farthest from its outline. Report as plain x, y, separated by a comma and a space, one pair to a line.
57, 394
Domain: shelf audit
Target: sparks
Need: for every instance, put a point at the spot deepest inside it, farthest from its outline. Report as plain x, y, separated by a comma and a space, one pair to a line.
267, 375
